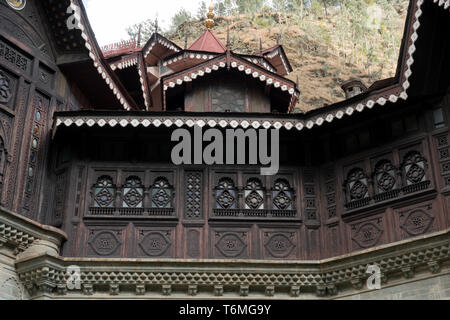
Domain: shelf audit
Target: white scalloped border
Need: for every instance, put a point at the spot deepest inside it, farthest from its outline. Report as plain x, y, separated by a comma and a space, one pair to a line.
162, 42
445, 3
124, 63
235, 64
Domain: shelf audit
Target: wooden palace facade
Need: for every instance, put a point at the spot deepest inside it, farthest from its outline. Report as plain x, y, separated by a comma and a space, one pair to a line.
85, 147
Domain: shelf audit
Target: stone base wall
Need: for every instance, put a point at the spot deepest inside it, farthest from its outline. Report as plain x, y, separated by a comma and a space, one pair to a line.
429, 288
10, 286
31, 268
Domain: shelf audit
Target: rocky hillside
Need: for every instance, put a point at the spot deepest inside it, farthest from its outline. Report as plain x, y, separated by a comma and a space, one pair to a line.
324, 50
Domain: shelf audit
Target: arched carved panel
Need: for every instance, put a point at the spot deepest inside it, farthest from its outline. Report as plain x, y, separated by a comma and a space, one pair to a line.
357, 188
414, 171
282, 195
162, 193
385, 181
133, 193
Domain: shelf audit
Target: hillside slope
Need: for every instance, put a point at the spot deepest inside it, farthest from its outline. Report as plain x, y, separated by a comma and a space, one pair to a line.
322, 53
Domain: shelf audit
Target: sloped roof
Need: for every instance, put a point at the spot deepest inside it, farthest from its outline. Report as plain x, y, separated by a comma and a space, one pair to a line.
209, 43
422, 71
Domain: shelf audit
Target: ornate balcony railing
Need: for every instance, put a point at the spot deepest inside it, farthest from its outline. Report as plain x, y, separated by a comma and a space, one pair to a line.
130, 212
251, 213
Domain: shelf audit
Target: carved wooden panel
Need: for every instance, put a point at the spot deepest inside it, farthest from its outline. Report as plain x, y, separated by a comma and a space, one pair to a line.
11, 174
442, 148
330, 192
105, 242
367, 233
46, 76
193, 243
416, 220
14, 57
155, 242
193, 195
231, 243
36, 152
59, 202
8, 88
279, 244
309, 191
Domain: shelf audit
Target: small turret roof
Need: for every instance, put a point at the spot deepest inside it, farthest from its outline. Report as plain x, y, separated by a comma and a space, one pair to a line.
208, 42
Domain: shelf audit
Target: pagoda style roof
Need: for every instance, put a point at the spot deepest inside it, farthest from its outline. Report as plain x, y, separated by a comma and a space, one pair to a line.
423, 68
208, 42
230, 60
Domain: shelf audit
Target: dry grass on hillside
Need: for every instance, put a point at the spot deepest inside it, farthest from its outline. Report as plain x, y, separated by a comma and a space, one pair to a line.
321, 57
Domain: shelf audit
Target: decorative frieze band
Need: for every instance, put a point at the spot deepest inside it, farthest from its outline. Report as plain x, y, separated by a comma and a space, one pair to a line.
49, 275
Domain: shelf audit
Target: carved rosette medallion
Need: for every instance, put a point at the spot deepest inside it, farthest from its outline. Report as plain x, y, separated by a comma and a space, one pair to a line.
367, 234
155, 244
279, 245
231, 244
417, 222
105, 243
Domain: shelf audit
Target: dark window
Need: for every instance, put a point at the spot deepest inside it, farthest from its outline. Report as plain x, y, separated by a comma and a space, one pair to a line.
438, 118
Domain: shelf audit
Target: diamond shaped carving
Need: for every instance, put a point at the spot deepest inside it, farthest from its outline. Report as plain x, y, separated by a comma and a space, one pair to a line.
133, 198
225, 199
161, 199
104, 198
415, 174
358, 190
386, 182
282, 201
254, 200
